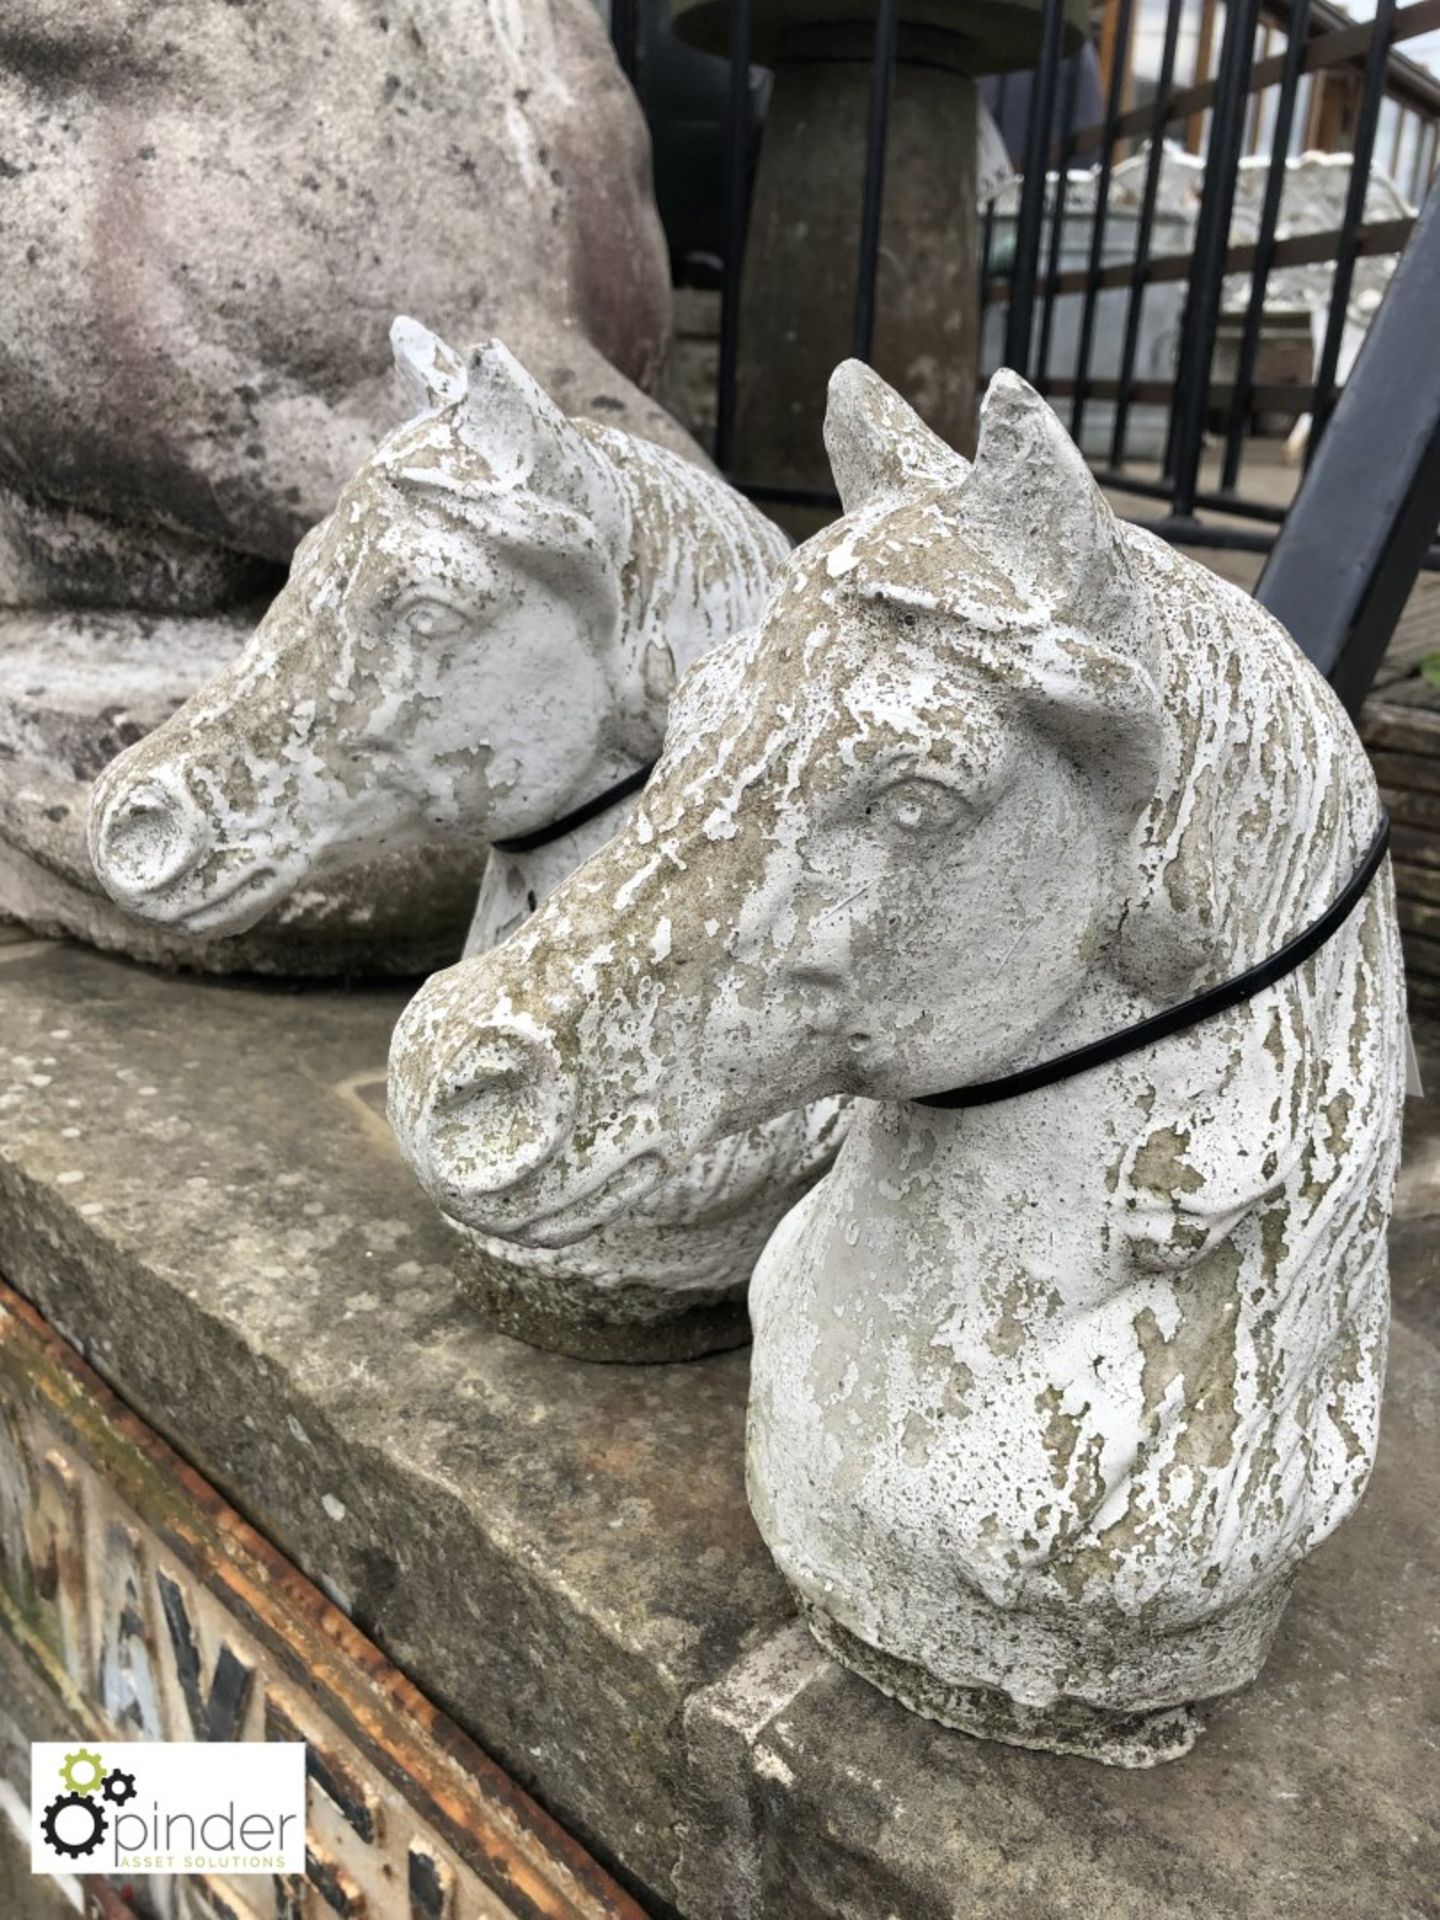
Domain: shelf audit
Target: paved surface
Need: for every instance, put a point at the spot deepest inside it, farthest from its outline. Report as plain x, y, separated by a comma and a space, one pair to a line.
196, 1186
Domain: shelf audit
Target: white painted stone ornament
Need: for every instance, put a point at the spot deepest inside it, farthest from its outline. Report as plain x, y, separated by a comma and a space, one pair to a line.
482, 637
1051, 1397
483, 633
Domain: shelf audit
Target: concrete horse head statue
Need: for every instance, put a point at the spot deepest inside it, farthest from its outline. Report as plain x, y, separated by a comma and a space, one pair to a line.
481, 638
484, 633
1051, 1396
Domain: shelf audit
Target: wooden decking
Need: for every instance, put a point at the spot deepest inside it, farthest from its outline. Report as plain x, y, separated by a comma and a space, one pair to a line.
1401, 727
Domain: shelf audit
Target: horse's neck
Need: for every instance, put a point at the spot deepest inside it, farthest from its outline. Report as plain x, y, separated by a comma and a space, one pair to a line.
515, 884
1024, 1187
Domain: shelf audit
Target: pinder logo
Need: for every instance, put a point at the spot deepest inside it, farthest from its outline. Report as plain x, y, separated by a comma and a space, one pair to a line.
168, 1807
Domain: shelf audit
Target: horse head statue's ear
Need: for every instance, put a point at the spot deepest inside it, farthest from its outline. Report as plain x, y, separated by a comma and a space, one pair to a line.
877, 444
430, 373
527, 441
1093, 638
1035, 503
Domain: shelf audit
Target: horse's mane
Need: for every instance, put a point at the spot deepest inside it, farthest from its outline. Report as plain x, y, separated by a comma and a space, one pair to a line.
434, 458
1265, 801
700, 555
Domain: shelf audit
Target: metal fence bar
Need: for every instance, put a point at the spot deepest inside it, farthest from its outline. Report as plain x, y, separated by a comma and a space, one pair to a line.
1371, 96
1298, 250
625, 35
1221, 502
1183, 530
1057, 217
1344, 563
1019, 320
1212, 232
1096, 260
1265, 245
1275, 395
882, 85
737, 188
1159, 115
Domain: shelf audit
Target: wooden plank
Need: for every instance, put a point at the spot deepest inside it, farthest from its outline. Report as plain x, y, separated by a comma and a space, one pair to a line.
1417, 882
1419, 916
1325, 50
1298, 250
1422, 958
1204, 48
1278, 396
1407, 772
1108, 34
1419, 630
1412, 808
1410, 692
1408, 733
1416, 846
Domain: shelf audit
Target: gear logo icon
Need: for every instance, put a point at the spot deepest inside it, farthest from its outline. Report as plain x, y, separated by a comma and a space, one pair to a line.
119, 1787
76, 1821
80, 1844
82, 1771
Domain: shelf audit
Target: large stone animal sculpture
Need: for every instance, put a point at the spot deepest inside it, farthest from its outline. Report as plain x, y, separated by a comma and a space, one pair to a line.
210, 214
481, 639
1051, 1396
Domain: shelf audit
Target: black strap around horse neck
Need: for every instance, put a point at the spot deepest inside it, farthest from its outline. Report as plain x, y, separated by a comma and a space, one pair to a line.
577, 816
1188, 1013
1097, 1053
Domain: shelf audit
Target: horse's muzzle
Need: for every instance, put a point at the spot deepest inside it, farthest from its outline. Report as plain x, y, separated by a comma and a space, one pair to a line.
145, 837
479, 1118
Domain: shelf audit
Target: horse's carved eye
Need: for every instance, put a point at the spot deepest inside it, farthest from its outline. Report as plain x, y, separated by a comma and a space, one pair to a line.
920, 806
430, 619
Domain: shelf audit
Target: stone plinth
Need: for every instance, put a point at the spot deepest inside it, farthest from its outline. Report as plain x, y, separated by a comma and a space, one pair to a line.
802, 247
197, 1187
802, 260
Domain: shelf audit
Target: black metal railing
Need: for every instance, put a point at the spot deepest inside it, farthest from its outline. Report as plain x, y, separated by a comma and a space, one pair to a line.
1193, 396
1028, 285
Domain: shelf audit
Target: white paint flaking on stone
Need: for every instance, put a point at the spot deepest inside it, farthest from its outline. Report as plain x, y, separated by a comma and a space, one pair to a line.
1049, 1398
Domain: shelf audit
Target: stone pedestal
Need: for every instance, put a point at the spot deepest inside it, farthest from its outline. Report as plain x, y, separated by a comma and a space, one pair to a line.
198, 1189
802, 254
802, 262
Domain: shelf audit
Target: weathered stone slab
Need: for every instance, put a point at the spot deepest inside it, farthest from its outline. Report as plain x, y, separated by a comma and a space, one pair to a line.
197, 1187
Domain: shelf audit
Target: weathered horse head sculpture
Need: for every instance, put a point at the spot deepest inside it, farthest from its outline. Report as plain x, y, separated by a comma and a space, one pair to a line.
481, 638
484, 632
1050, 1397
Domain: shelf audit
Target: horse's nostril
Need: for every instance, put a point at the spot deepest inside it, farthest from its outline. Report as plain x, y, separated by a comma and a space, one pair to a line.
148, 836
499, 1110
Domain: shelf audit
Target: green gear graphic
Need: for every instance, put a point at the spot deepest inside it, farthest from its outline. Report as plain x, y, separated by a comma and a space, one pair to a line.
90, 1766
